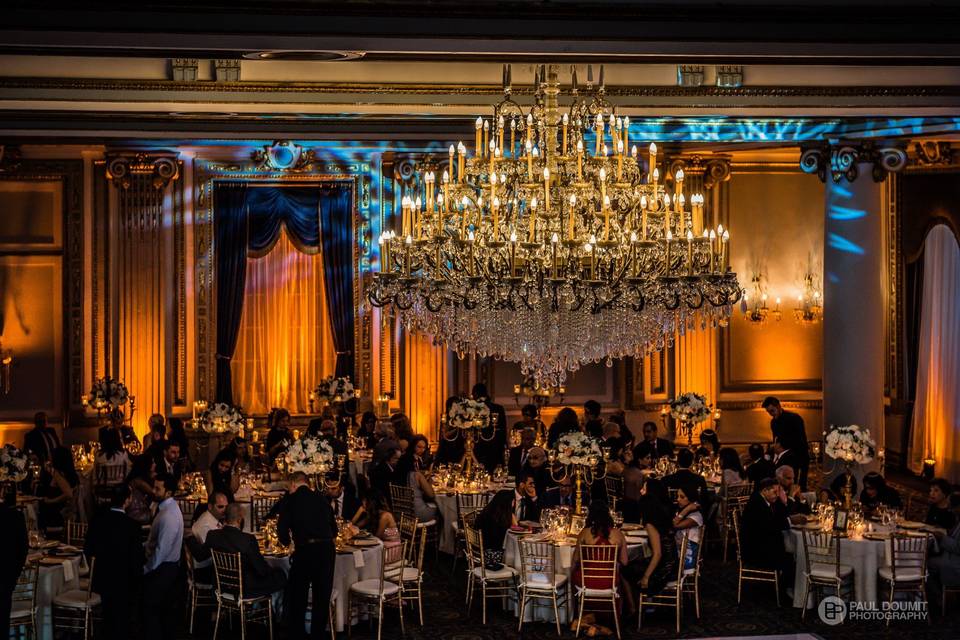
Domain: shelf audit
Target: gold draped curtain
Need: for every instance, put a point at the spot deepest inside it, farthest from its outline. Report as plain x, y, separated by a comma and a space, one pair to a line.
285, 346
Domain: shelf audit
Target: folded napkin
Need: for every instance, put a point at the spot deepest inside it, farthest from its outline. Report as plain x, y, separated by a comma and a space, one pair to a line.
358, 559
68, 572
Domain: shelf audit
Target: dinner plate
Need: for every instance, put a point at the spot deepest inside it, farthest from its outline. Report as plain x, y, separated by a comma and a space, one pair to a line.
365, 542
632, 527
912, 524
875, 535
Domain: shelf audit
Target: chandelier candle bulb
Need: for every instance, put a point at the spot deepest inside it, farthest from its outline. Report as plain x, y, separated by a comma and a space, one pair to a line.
533, 218
572, 213
513, 253
406, 257
666, 261
626, 135
452, 150
606, 218
529, 148
725, 253
619, 161
461, 153
477, 149
418, 215
500, 132
643, 212
486, 135
546, 189
554, 239
653, 162
565, 121
598, 134
579, 160
689, 252
470, 240
666, 214
513, 135
530, 129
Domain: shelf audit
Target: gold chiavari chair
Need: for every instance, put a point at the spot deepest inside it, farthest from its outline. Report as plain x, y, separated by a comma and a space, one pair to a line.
614, 487
23, 605
539, 579
598, 567
822, 568
199, 594
672, 594
76, 534
468, 504
733, 499
230, 596
690, 584
107, 477
372, 594
493, 582
401, 501
188, 507
751, 574
907, 568
260, 507
74, 610
411, 576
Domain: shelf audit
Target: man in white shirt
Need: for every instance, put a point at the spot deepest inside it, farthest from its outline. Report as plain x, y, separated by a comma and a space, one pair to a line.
162, 566
211, 518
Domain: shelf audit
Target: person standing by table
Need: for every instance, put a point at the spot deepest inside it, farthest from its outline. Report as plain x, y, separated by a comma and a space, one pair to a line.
13, 541
307, 520
788, 428
162, 566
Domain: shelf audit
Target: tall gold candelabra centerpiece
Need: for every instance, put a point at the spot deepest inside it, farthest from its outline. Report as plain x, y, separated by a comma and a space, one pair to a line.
332, 390
315, 457
579, 456
849, 446
469, 419
553, 241
690, 410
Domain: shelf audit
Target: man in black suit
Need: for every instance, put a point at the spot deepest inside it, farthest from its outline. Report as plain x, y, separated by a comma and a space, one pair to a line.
113, 540
343, 500
683, 477
168, 459
761, 533
328, 433
562, 495
593, 424
490, 452
537, 465
519, 453
759, 467
126, 432
783, 455
652, 445
790, 495
42, 439
306, 518
259, 578
527, 504
387, 473
788, 427
13, 542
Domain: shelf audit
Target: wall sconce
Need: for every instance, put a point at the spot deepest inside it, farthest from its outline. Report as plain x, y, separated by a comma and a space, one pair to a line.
809, 309
928, 467
6, 369
754, 304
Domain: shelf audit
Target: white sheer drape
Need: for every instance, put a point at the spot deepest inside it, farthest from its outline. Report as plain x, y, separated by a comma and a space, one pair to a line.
936, 413
285, 345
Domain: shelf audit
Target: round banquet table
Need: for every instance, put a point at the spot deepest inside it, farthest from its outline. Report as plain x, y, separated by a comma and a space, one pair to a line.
541, 610
865, 556
54, 579
351, 567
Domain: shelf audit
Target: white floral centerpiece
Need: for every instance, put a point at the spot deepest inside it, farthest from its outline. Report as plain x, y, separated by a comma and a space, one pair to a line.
334, 389
690, 408
221, 418
107, 394
13, 464
310, 455
465, 413
578, 448
850, 444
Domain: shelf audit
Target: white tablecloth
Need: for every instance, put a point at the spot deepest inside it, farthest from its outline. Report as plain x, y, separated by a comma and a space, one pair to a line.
542, 610
345, 574
50, 584
359, 466
447, 505
865, 556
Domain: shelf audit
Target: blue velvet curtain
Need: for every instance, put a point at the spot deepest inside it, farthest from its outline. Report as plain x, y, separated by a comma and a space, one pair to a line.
247, 222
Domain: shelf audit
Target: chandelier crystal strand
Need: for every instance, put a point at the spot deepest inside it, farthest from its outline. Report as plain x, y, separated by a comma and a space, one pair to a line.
552, 246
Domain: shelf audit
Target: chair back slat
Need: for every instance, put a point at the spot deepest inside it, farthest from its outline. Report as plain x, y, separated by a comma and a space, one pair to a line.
598, 564
226, 570
260, 507
908, 556
823, 549
474, 542
26, 587
401, 499
538, 564
735, 519
76, 532
682, 554
614, 487
188, 506
408, 534
111, 474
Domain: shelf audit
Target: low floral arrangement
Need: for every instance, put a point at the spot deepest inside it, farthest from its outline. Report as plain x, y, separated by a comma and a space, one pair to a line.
578, 448
108, 394
310, 455
221, 418
465, 412
690, 407
334, 389
850, 443
13, 464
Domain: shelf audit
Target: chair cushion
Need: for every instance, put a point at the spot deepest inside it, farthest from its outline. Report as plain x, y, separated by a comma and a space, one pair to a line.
77, 599
596, 593
21, 609
410, 574
428, 523
232, 597
371, 587
903, 575
500, 574
828, 571
541, 581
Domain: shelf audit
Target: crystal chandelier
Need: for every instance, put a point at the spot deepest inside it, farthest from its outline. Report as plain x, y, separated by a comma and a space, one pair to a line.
552, 245
809, 308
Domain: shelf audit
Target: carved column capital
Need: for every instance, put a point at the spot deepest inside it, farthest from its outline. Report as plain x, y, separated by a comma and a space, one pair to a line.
841, 160
161, 168
713, 169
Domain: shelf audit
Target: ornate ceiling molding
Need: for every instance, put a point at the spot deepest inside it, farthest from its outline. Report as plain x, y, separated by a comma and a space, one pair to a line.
841, 161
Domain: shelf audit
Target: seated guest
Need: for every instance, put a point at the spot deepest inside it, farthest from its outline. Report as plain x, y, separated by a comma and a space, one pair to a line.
759, 467
518, 454
127, 435
687, 523
611, 439
375, 517
784, 456
493, 522
328, 433
242, 456
168, 459
211, 518
386, 440
176, 433
156, 433
656, 512
652, 445
684, 476
731, 467
839, 485
944, 561
42, 439
58, 482
565, 422
626, 436
142, 487
113, 456
876, 492
527, 506
598, 529
593, 423
14, 542
530, 419
221, 477
419, 453
424, 498
709, 445
402, 428
940, 514
113, 540
387, 472
633, 478
561, 495
537, 464
279, 434
259, 578
761, 535
366, 431
790, 496
343, 500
